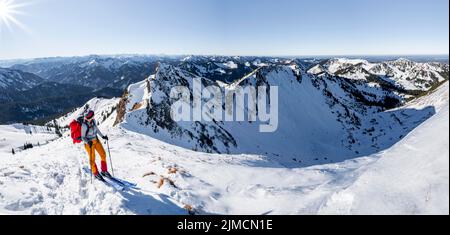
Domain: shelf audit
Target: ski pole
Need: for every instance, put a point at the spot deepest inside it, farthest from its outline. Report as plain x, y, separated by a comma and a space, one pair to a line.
110, 158
90, 163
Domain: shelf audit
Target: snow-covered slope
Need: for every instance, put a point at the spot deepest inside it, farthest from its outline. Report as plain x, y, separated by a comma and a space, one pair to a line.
343, 146
331, 118
16, 135
437, 99
410, 178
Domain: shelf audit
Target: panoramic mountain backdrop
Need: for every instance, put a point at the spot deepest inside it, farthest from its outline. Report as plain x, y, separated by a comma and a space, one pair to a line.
342, 123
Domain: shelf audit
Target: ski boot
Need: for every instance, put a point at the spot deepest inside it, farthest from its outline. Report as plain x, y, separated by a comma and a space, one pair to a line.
99, 177
106, 174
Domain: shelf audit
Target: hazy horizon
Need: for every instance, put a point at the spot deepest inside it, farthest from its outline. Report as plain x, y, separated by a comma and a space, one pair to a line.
440, 56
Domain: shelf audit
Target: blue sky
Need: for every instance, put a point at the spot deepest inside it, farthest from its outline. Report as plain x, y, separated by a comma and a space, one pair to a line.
228, 27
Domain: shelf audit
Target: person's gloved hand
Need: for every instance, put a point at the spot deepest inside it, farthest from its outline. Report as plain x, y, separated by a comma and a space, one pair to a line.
105, 137
90, 143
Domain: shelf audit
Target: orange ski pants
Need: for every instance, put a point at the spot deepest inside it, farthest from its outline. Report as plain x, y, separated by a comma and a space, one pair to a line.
96, 146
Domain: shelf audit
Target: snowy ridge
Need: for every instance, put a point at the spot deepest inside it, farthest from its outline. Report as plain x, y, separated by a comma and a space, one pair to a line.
152, 116
332, 118
404, 73
437, 99
104, 109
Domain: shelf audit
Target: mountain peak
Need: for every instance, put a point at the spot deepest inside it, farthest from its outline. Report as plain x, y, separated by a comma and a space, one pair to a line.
403, 60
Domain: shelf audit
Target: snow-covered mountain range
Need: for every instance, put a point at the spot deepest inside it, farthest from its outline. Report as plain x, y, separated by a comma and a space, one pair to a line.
402, 73
346, 128
409, 178
109, 76
331, 117
96, 72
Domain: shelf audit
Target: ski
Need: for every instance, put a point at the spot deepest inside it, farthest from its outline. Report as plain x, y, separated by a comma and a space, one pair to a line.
113, 184
122, 182
125, 183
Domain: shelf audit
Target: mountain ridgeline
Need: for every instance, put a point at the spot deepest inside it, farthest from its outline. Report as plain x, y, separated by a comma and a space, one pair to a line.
53, 86
334, 109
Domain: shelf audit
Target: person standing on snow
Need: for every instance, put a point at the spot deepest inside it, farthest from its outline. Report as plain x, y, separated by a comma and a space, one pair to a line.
89, 132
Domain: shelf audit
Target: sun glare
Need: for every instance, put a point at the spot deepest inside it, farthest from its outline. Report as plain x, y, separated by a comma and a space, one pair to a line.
9, 9
4, 9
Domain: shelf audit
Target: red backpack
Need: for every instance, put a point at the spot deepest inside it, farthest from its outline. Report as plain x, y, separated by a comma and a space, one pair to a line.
75, 130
